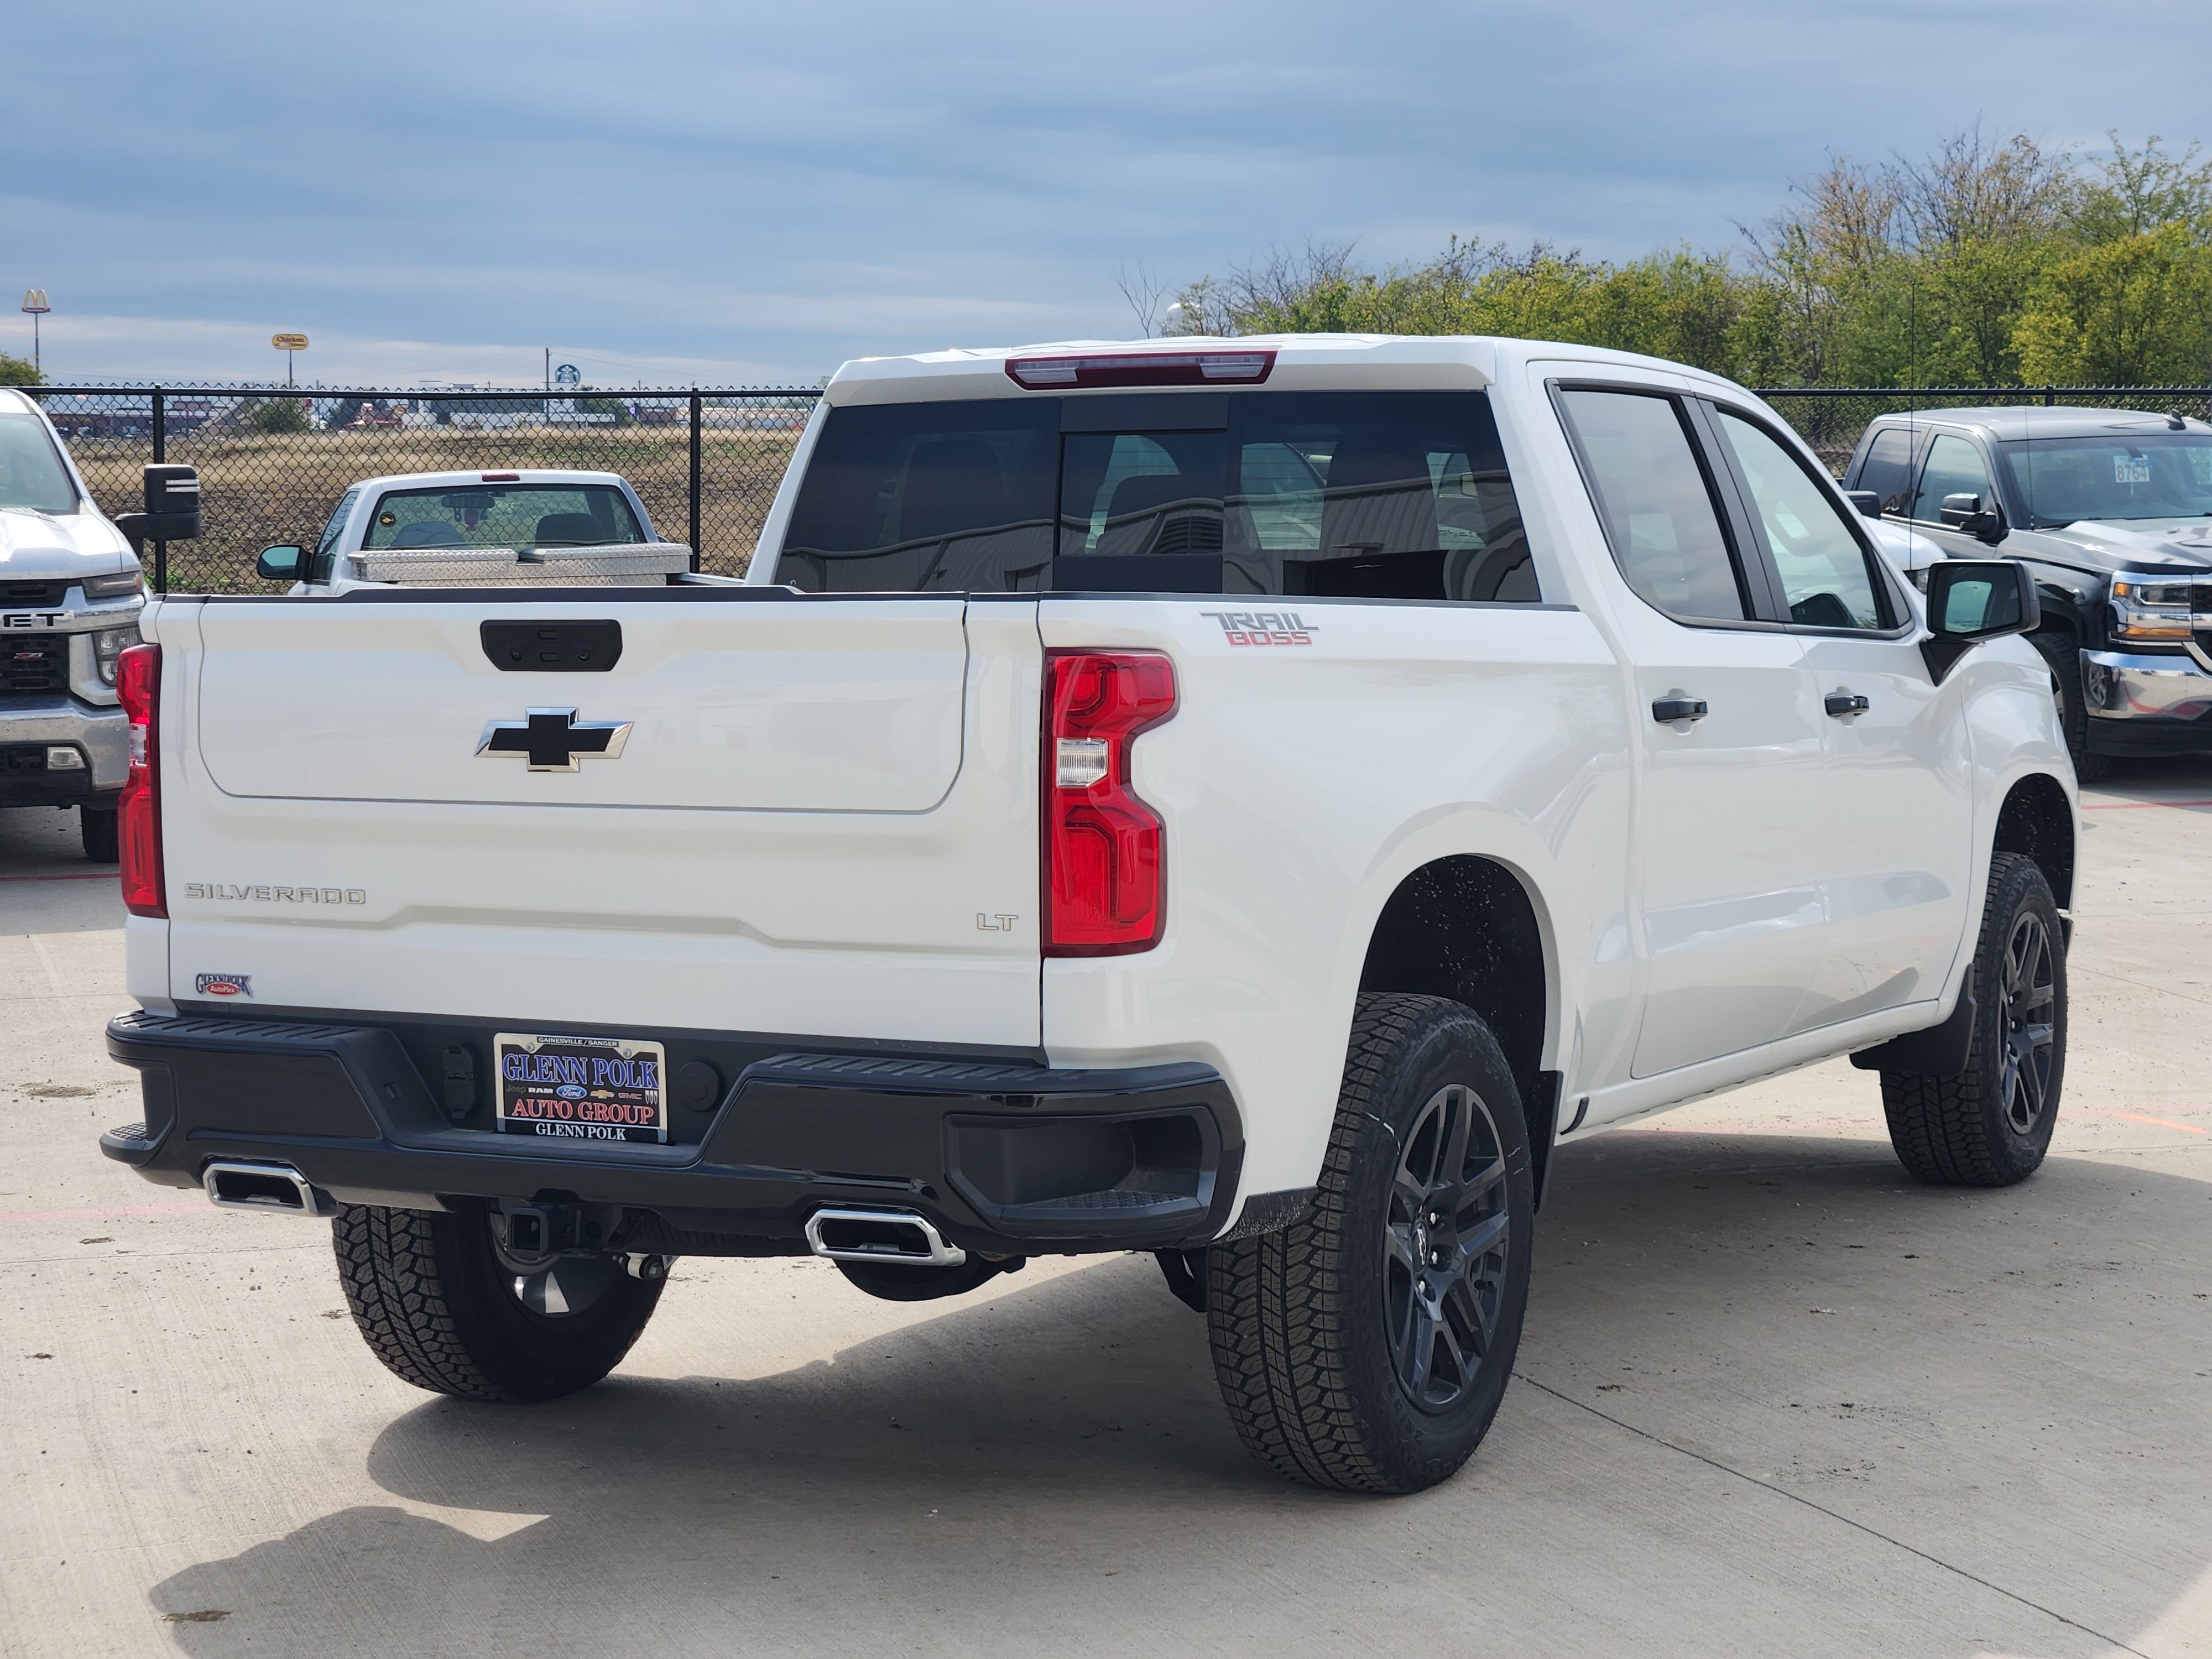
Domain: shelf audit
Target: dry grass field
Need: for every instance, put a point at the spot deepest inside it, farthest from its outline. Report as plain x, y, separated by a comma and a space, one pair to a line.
260, 489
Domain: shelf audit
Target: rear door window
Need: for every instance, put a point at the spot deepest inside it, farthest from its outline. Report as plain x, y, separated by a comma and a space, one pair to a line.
1389, 495
1655, 502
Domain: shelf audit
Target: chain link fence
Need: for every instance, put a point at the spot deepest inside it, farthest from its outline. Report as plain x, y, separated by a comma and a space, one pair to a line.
1832, 419
273, 462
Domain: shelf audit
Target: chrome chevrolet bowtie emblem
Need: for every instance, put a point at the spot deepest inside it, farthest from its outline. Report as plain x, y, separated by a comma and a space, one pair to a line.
553, 739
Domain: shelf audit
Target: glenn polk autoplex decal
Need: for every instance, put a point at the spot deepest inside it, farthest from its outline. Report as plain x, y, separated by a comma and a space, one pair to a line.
1264, 627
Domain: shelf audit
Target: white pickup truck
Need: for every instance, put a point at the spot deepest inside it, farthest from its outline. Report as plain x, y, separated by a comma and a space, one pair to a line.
1246, 800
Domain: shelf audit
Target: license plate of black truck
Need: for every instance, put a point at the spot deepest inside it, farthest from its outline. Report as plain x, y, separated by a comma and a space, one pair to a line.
582, 1088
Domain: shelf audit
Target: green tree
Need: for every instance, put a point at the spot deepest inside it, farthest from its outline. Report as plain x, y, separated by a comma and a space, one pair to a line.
17, 371
2133, 312
2140, 192
281, 415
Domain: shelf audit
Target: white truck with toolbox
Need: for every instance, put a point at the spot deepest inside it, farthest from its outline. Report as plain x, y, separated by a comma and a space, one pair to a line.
1244, 800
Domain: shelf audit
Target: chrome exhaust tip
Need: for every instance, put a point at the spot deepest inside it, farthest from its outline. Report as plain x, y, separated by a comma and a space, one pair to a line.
880, 1236
235, 1186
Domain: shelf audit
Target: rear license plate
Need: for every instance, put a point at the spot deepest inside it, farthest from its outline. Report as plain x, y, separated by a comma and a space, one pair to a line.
579, 1088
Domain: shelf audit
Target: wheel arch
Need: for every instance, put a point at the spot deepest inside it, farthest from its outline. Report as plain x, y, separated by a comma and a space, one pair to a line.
1471, 928
2036, 821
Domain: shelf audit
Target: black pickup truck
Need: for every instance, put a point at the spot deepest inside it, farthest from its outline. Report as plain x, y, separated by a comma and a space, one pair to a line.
2111, 509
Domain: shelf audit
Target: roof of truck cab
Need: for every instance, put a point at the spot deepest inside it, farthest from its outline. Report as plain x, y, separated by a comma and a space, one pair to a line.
540, 475
2017, 425
1302, 362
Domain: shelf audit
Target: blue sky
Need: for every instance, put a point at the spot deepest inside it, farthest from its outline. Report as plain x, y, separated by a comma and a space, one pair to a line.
746, 193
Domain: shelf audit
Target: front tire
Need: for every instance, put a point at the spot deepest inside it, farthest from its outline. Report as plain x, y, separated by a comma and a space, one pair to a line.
1367, 1347
444, 1307
1990, 1125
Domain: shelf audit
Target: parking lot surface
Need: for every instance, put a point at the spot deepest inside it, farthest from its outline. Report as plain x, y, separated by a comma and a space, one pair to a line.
1773, 1397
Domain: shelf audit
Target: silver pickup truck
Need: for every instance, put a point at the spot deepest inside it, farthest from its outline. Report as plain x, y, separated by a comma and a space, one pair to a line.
70, 599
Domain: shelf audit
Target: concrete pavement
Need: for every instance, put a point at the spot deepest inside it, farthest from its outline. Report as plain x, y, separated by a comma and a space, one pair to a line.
1773, 1397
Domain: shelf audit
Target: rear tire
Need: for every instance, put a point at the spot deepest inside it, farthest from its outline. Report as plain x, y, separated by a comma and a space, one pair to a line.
96, 826
437, 1302
2063, 652
1990, 1125
1367, 1347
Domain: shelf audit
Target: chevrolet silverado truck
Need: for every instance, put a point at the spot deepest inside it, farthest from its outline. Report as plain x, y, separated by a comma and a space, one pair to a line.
69, 599
1247, 801
2111, 511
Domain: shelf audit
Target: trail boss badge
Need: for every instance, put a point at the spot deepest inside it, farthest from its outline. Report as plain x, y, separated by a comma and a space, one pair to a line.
1264, 627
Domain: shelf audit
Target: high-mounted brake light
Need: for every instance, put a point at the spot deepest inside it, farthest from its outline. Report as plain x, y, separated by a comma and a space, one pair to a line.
1142, 368
1105, 867
502, 477
138, 811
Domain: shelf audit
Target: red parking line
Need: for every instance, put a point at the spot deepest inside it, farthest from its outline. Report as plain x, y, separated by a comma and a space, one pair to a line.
2140, 1117
92, 875
2137, 806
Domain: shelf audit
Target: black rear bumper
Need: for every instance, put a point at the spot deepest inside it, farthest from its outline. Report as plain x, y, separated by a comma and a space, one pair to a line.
1004, 1157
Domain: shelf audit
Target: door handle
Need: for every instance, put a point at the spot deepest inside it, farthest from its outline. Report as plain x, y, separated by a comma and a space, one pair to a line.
1667, 710
1840, 703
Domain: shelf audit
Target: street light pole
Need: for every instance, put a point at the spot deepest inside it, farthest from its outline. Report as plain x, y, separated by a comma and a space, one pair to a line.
34, 301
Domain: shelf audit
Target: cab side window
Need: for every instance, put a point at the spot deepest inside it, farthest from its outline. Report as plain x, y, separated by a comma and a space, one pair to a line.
1652, 497
1888, 468
1826, 581
1953, 468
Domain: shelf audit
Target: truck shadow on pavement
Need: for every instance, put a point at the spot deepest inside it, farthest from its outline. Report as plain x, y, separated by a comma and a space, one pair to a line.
1761, 1375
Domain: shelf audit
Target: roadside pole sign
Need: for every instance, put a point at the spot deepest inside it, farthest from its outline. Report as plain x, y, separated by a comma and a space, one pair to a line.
288, 344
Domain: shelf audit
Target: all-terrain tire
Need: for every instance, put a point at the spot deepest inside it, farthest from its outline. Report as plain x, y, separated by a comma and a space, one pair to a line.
2062, 651
1312, 1325
435, 1302
96, 828
1990, 1125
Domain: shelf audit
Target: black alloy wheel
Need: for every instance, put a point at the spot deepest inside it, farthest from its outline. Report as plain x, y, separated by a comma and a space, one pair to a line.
2029, 992
1446, 1249
1989, 1124
1367, 1344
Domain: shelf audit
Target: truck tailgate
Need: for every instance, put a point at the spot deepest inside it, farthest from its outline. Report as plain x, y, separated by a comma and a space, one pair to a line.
814, 801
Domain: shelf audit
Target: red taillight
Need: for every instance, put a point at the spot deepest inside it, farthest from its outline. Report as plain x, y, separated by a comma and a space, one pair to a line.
1105, 874
139, 820
1142, 368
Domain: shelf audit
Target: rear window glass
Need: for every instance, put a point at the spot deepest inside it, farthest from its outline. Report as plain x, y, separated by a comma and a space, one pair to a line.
503, 515
1394, 495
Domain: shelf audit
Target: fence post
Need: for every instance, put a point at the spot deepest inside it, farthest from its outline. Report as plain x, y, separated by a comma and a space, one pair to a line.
695, 478
2050, 398
161, 454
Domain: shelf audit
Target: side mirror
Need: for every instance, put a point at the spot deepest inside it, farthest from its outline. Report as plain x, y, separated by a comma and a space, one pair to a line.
173, 506
1967, 512
1970, 600
280, 564
1869, 503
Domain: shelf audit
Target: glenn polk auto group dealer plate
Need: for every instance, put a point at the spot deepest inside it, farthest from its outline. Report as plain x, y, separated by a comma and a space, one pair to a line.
580, 1088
